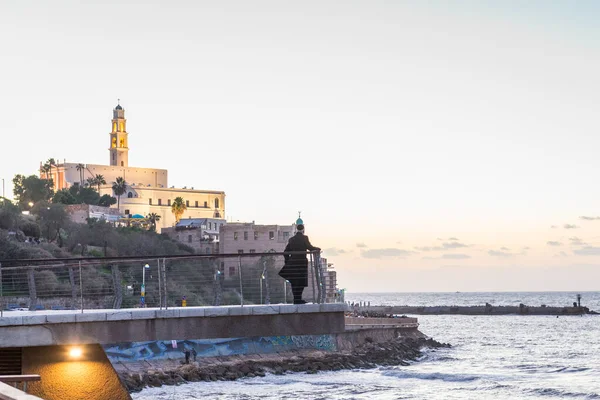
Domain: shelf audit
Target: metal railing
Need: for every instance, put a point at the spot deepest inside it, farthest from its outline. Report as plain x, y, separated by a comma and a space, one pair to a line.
14, 380
154, 281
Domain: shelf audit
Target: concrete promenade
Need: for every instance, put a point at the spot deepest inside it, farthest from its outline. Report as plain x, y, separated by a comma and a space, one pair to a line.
69, 327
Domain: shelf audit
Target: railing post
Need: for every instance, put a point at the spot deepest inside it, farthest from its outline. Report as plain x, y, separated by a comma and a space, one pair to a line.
32, 289
217, 284
241, 285
1, 294
116, 276
165, 285
160, 297
81, 286
312, 281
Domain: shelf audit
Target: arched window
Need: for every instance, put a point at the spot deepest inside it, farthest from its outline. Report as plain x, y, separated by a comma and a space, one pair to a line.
129, 195
114, 126
122, 164
122, 143
114, 142
121, 127
216, 203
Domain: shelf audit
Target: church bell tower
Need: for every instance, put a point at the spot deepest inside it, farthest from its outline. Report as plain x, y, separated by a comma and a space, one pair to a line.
119, 149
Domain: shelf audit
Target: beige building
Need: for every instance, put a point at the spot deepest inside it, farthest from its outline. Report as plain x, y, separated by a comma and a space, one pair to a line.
247, 237
147, 188
202, 234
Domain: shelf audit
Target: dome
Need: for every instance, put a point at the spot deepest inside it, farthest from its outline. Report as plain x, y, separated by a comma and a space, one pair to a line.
299, 221
118, 107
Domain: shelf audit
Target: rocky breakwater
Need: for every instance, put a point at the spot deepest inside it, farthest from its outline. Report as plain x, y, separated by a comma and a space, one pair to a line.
367, 355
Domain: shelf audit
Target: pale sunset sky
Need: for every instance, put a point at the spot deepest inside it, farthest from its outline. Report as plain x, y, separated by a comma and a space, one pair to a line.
431, 145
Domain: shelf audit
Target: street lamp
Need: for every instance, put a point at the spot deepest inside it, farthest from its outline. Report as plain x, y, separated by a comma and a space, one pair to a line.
143, 291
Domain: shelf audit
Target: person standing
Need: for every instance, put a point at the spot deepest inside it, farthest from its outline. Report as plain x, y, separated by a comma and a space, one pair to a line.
295, 268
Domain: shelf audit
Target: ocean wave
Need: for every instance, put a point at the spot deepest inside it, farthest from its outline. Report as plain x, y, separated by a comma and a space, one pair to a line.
551, 392
404, 374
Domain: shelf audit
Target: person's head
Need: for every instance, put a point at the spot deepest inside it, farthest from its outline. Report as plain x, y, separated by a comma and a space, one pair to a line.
300, 228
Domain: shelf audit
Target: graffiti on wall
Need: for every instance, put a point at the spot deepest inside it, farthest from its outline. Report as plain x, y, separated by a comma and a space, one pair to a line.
167, 349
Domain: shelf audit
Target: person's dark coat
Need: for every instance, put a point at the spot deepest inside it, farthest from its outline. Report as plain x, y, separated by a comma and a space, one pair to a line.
295, 268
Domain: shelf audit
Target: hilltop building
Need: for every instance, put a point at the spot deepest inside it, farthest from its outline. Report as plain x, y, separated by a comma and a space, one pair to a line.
202, 234
147, 191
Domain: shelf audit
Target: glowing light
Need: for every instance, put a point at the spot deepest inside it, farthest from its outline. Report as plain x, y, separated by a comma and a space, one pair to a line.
75, 352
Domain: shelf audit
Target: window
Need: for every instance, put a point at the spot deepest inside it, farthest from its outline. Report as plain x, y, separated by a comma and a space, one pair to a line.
286, 235
114, 130
252, 251
196, 203
121, 128
231, 271
210, 226
187, 203
245, 235
208, 250
122, 143
150, 201
122, 164
113, 155
168, 202
255, 235
235, 235
189, 238
129, 195
114, 143
126, 212
271, 235
240, 251
160, 202
216, 203
205, 204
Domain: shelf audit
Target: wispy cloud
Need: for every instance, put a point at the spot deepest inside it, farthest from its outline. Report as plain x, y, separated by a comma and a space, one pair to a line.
456, 256
585, 218
453, 238
526, 248
588, 251
570, 226
361, 245
562, 254
334, 251
454, 245
575, 241
389, 252
504, 249
430, 248
554, 227
553, 243
495, 253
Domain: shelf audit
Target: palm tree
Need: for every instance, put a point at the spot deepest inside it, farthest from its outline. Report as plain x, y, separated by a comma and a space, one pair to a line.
119, 187
153, 218
81, 168
50, 163
99, 180
46, 170
178, 208
90, 182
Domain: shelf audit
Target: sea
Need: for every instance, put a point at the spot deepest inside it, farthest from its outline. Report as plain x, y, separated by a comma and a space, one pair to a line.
492, 357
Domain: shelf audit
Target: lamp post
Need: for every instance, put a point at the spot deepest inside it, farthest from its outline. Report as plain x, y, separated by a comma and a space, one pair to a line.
143, 291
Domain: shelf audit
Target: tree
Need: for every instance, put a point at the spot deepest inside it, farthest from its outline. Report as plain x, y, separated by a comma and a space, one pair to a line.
119, 187
31, 189
99, 181
106, 200
53, 217
178, 208
50, 163
77, 195
153, 218
46, 170
81, 168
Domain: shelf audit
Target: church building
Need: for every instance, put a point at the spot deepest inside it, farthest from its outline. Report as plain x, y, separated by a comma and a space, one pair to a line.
147, 188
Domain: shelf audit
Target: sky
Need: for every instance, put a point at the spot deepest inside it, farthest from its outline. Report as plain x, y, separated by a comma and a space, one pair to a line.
430, 145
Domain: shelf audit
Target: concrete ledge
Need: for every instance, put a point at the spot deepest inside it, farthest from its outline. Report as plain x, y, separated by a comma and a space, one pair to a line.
60, 318
235, 311
34, 319
120, 315
267, 310
90, 317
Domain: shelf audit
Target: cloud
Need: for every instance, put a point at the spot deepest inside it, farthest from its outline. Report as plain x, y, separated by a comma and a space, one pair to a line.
440, 239
588, 251
554, 227
570, 226
562, 254
389, 252
456, 256
333, 251
504, 249
454, 245
495, 253
361, 245
553, 243
575, 241
589, 218
430, 248
526, 248
453, 238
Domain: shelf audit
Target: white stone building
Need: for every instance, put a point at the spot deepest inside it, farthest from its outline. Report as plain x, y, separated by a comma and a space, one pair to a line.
147, 188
